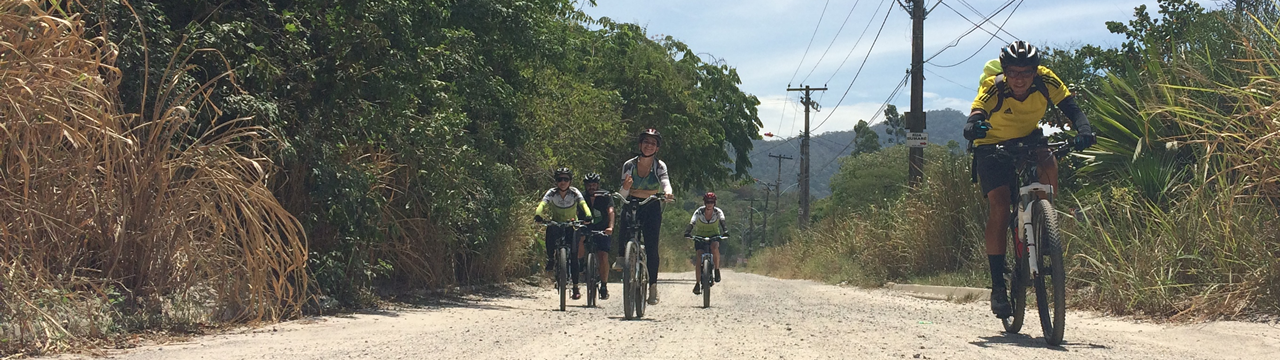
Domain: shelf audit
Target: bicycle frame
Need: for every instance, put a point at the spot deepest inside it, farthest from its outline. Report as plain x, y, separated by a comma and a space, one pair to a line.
707, 240
1027, 174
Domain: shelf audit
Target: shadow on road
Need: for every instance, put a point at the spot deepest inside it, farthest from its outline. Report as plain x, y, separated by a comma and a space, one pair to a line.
623, 318
1020, 340
1023, 340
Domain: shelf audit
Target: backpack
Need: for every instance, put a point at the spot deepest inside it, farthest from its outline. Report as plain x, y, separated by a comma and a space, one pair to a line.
992, 68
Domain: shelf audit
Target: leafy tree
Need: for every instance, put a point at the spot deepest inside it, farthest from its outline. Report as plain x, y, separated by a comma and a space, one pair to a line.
867, 140
896, 125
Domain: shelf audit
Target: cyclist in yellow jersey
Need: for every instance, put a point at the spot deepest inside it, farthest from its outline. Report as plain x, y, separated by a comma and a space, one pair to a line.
1008, 108
707, 221
567, 204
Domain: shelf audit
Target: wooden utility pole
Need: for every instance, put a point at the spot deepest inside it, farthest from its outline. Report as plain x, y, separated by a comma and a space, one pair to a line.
776, 186
915, 119
808, 102
751, 225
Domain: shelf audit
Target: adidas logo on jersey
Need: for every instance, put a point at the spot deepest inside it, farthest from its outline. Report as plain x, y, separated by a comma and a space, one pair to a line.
1008, 111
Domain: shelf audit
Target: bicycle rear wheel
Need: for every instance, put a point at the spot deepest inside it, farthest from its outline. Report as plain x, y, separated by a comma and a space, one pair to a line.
1050, 283
707, 280
1017, 285
629, 283
562, 274
593, 278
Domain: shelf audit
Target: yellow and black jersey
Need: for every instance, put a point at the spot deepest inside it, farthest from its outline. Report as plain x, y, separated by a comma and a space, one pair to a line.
1010, 118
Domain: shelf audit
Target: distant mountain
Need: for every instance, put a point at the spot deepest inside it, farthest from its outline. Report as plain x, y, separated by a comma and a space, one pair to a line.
942, 126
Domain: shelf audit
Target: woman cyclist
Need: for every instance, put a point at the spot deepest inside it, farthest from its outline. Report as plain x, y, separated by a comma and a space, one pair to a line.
644, 176
567, 204
707, 221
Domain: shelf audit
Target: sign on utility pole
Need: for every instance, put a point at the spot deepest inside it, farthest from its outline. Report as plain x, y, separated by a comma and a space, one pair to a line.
808, 102
915, 119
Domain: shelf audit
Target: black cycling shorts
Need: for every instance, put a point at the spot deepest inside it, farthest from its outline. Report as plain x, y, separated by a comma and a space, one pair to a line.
994, 172
601, 241
702, 245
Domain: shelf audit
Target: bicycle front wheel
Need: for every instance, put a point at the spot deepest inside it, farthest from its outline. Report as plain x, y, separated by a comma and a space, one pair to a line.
562, 274
1050, 283
1018, 281
593, 278
707, 280
642, 283
629, 283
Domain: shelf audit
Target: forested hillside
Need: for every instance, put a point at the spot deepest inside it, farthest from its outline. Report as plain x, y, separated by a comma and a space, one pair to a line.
944, 126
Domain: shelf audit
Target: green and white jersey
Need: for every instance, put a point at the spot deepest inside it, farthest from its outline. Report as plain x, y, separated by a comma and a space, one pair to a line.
700, 226
564, 207
656, 179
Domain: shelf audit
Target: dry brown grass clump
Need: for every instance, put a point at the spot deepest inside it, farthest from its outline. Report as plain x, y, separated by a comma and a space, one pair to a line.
113, 221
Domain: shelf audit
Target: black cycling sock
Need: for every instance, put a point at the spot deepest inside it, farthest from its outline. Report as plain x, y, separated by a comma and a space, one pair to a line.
997, 270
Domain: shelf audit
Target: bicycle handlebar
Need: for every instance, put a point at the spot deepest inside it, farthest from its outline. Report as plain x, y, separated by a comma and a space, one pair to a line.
1059, 148
638, 201
576, 224
707, 239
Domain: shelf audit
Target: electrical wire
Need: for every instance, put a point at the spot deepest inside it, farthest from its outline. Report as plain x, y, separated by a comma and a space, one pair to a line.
878, 112
979, 13
984, 45
833, 41
806, 48
858, 73
951, 81
966, 18
855, 43
956, 42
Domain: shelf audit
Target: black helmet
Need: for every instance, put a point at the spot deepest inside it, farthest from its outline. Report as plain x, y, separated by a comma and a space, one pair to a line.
650, 132
591, 178
564, 171
1019, 53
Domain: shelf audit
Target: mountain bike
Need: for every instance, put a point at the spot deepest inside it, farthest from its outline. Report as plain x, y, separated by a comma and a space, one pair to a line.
1037, 246
635, 270
563, 244
706, 267
592, 271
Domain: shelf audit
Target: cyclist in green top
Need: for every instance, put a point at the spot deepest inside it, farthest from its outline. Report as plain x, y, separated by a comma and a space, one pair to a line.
707, 221
567, 204
644, 176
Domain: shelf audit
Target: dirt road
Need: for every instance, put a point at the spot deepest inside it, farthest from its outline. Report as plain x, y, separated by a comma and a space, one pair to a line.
752, 317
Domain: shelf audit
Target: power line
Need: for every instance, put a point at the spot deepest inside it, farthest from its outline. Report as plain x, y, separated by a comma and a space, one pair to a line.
806, 48
996, 33
956, 42
860, 67
878, 112
855, 43
833, 42
984, 45
979, 13
951, 81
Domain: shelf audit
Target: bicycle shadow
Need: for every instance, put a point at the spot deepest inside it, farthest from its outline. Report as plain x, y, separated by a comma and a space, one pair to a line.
1026, 341
623, 318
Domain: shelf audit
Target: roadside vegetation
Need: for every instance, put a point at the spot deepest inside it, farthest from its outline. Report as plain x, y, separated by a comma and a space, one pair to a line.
175, 166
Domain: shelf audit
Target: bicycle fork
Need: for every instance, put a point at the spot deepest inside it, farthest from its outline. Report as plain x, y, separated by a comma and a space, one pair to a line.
1026, 200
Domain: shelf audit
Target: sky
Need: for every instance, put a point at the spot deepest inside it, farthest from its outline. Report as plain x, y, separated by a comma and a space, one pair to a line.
776, 44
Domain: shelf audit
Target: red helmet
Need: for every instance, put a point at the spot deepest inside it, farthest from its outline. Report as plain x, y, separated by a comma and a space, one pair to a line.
709, 197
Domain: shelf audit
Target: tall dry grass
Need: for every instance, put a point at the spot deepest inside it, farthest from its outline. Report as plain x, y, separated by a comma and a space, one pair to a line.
933, 231
114, 221
1214, 250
